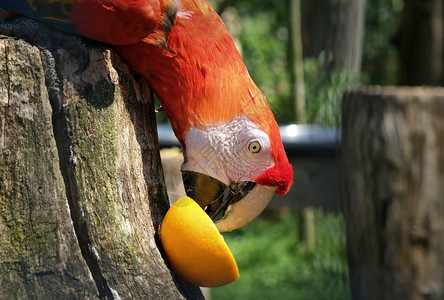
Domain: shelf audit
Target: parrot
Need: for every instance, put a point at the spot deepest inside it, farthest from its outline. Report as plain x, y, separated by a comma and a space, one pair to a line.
234, 159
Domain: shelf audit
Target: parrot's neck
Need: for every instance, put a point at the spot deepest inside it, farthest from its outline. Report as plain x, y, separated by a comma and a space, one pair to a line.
199, 74
193, 66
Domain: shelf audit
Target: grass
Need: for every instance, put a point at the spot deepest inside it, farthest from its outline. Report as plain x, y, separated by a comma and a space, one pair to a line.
274, 264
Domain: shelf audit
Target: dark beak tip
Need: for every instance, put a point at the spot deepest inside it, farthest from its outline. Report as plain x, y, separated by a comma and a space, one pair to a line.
202, 188
213, 195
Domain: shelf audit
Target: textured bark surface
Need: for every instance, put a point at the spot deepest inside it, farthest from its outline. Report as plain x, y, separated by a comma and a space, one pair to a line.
81, 196
38, 247
392, 179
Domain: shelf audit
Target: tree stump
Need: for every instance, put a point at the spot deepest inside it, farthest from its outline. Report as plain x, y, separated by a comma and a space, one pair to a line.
392, 186
82, 195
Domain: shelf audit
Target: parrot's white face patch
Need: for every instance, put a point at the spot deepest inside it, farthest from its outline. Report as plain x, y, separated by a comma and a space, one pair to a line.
230, 152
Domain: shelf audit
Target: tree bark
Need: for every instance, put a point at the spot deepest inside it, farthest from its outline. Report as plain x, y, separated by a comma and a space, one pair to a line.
420, 42
81, 195
392, 166
335, 27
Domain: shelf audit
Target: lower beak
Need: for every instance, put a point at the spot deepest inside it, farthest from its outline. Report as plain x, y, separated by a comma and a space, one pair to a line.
230, 207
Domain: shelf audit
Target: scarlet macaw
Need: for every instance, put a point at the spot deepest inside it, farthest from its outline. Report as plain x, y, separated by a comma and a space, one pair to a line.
234, 160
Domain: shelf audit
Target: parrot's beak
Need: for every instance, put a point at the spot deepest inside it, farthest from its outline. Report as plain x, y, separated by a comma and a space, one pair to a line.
229, 206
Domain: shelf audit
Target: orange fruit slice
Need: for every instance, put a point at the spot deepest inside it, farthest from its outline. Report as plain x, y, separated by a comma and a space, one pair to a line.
194, 247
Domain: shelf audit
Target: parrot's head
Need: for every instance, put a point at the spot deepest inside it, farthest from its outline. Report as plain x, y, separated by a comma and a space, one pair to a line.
234, 160
232, 169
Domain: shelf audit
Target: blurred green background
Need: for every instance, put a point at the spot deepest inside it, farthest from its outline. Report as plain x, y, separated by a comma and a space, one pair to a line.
274, 262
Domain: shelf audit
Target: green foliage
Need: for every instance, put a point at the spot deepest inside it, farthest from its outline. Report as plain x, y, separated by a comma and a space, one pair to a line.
264, 43
324, 90
380, 58
266, 59
273, 264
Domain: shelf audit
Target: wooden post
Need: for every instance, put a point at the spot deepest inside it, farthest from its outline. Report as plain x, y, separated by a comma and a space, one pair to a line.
81, 196
392, 186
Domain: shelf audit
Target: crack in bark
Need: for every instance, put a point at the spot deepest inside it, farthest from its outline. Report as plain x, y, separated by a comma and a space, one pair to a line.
67, 167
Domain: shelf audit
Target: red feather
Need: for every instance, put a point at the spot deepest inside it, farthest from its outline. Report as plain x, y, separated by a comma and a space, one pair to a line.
118, 22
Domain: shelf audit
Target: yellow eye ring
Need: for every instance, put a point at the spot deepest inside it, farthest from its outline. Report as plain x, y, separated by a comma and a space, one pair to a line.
254, 147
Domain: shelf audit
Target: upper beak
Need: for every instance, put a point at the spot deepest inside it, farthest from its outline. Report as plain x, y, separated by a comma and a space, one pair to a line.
236, 204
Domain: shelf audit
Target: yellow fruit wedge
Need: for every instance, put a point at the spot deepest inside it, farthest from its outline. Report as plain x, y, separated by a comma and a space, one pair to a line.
194, 247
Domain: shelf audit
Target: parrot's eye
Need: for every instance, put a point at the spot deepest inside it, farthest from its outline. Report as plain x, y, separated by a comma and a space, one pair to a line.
254, 147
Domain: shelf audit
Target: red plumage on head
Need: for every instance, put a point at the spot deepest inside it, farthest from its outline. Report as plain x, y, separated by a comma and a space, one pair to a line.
280, 175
